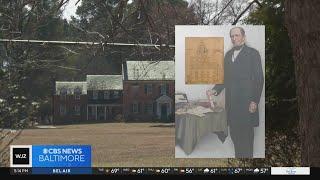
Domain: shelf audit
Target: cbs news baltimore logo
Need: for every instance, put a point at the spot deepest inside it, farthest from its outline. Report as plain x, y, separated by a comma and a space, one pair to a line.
50, 156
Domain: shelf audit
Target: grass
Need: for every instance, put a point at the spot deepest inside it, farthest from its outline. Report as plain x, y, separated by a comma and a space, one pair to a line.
120, 144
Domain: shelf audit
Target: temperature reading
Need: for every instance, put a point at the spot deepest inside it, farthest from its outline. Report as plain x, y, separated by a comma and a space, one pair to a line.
140, 171
213, 170
114, 171
189, 170
165, 171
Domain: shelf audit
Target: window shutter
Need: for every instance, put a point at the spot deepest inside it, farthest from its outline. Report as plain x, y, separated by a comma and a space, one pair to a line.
132, 107
145, 89
155, 108
139, 107
167, 89
152, 88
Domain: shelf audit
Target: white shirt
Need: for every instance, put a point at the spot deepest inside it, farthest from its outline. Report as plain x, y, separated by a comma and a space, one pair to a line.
235, 54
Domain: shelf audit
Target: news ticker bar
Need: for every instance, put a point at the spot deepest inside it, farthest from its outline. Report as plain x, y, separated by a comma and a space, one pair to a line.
164, 171
144, 171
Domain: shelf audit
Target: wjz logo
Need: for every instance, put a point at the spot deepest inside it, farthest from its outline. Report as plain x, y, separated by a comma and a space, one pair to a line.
20, 156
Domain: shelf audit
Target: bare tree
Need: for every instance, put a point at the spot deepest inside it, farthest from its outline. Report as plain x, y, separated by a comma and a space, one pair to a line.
222, 11
205, 10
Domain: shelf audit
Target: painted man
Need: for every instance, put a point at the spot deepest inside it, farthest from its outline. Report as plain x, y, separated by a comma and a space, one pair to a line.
243, 85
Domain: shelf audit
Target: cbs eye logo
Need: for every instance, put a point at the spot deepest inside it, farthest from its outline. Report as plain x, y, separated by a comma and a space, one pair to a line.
20, 156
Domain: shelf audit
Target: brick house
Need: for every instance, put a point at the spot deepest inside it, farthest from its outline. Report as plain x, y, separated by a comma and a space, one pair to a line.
70, 102
145, 90
104, 97
148, 89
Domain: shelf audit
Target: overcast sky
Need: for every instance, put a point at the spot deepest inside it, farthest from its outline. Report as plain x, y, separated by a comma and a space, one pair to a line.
70, 9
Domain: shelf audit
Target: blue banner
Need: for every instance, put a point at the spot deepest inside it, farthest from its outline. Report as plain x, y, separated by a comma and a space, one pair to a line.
61, 156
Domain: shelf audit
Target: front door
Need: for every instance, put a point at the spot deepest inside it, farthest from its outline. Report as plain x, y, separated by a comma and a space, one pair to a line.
163, 112
92, 113
101, 113
109, 113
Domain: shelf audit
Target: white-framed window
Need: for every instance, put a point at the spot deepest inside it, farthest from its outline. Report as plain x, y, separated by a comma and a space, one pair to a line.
77, 93
116, 94
77, 110
63, 110
163, 89
135, 107
135, 89
148, 89
63, 94
94, 94
148, 108
106, 95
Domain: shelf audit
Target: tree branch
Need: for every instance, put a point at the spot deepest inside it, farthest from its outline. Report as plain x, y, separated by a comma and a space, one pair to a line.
221, 11
89, 32
69, 50
240, 15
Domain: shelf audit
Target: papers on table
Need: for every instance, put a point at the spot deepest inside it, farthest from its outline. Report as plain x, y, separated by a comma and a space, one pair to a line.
197, 110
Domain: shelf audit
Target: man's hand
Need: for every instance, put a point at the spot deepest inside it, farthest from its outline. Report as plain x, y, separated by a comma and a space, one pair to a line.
211, 92
253, 107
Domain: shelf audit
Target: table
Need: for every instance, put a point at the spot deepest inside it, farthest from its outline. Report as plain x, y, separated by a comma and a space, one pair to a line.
191, 128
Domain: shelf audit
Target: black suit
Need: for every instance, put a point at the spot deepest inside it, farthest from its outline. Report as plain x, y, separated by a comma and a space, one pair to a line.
243, 83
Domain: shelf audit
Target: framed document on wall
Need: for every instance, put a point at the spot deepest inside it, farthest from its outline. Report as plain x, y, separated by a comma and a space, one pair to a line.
204, 60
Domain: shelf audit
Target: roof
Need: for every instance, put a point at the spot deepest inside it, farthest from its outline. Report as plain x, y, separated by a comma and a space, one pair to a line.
164, 99
71, 86
104, 82
149, 70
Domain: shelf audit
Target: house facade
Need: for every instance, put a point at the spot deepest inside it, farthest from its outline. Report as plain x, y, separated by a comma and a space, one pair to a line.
144, 91
148, 90
70, 102
104, 97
